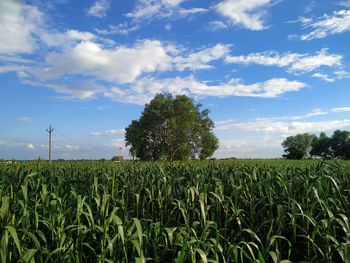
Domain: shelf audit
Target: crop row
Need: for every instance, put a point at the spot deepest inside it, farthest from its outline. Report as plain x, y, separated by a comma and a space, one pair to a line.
252, 211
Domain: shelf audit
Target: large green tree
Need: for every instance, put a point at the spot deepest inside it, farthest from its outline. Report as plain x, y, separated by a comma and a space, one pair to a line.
321, 146
298, 146
339, 144
171, 128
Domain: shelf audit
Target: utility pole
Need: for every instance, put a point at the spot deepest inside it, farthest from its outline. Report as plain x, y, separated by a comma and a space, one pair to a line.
50, 130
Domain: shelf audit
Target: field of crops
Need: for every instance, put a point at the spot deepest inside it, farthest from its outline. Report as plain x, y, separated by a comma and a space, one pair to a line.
222, 211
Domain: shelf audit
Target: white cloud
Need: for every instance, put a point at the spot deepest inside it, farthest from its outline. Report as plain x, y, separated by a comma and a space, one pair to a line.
108, 132
168, 27
82, 90
151, 9
116, 143
99, 8
72, 147
342, 109
257, 147
325, 77
144, 89
96, 133
338, 22
21, 69
121, 29
18, 25
294, 62
249, 14
288, 125
25, 119
191, 11
8, 58
115, 132
30, 146
342, 74
200, 60
217, 25
66, 39
120, 64
345, 3
284, 127
313, 113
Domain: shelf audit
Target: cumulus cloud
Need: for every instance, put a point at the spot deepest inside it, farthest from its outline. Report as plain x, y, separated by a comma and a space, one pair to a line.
99, 8
65, 39
284, 127
144, 89
257, 147
249, 14
20, 69
338, 22
288, 125
293, 62
18, 26
345, 3
120, 64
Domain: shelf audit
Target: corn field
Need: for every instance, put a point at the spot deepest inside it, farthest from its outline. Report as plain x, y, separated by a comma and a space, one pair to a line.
214, 211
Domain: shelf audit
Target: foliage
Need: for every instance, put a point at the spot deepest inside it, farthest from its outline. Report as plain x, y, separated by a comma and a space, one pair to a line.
321, 146
117, 158
339, 143
212, 211
305, 145
298, 146
172, 129
337, 146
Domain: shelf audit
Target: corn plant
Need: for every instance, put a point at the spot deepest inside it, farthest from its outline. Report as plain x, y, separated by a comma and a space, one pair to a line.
207, 211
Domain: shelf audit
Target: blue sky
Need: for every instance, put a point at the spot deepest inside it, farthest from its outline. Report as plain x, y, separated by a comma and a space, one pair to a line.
266, 69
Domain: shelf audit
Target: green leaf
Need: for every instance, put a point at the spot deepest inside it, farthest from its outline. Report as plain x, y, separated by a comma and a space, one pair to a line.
14, 235
202, 255
28, 256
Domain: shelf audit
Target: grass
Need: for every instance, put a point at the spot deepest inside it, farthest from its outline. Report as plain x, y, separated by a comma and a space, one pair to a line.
220, 211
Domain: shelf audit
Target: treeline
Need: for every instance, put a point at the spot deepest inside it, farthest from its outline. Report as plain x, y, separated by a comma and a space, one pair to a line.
302, 146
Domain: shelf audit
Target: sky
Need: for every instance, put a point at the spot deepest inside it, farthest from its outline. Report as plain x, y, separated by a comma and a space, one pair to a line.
266, 70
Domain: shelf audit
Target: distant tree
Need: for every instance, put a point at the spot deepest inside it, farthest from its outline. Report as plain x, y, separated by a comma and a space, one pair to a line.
321, 146
117, 158
298, 146
171, 129
339, 144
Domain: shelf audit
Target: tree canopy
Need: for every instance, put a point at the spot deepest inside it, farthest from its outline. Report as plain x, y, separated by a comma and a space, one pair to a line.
304, 145
172, 128
337, 146
298, 146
